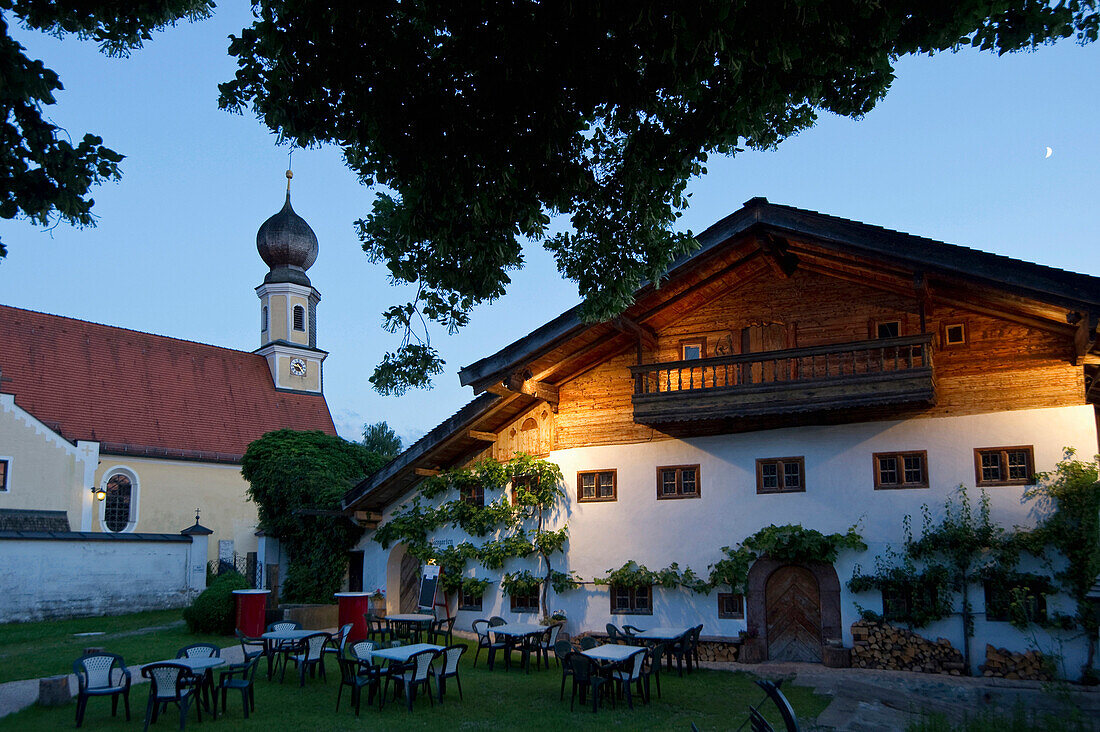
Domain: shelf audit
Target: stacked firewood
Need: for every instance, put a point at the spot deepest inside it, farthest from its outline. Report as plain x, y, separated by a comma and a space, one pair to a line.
717, 651
878, 645
1006, 664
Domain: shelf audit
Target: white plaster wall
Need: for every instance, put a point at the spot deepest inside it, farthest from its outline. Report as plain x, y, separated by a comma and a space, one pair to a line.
75, 577
839, 493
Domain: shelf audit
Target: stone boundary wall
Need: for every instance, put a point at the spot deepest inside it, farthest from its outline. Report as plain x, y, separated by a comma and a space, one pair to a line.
883, 646
74, 574
1003, 663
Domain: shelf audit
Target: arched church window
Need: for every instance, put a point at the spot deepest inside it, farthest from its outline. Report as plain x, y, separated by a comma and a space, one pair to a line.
299, 317
263, 318
116, 506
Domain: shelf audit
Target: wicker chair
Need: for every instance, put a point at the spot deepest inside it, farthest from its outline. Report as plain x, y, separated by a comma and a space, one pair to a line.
101, 674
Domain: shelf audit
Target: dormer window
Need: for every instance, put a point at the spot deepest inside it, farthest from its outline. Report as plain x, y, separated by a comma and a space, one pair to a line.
263, 319
299, 318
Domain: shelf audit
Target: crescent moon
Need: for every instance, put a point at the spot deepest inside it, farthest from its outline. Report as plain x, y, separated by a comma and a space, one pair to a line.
1049, 152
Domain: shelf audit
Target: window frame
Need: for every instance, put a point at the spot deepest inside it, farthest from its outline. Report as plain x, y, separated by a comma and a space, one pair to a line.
474, 495
522, 480
781, 486
5, 473
1003, 614
738, 600
1003, 453
135, 495
879, 323
662, 496
946, 326
900, 457
294, 318
517, 608
700, 343
596, 498
633, 594
465, 602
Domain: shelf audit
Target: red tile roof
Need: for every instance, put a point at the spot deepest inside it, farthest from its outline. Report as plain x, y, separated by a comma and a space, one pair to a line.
142, 393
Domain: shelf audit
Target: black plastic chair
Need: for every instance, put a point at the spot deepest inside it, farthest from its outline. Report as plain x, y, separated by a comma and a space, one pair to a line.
531, 644
549, 640
239, 676
485, 640
588, 642
562, 652
355, 675
171, 683
614, 635
694, 639
96, 676
250, 647
630, 631
651, 670
680, 648
629, 672
309, 656
586, 677
337, 642
376, 628
411, 675
441, 631
497, 620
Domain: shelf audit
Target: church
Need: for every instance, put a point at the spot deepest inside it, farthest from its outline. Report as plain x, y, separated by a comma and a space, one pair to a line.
113, 431
797, 368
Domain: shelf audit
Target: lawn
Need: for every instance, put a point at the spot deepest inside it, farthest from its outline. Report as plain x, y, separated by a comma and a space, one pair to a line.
493, 700
34, 650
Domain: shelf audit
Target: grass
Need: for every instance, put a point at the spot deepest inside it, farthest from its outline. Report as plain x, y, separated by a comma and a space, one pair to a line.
47, 648
493, 700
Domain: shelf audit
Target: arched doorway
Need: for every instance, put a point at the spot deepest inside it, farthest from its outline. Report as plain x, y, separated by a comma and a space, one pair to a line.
780, 612
792, 600
402, 581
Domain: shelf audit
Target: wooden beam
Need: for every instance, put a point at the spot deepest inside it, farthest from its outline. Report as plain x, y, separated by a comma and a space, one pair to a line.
645, 334
368, 519
525, 384
499, 389
1084, 337
777, 251
426, 472
481, 436
690, 289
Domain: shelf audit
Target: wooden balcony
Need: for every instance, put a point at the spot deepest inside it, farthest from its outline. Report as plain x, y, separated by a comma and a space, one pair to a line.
863, 376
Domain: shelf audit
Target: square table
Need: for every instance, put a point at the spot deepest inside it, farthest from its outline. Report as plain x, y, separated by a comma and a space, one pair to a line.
611, 652
401, 654
421, 621
662, 634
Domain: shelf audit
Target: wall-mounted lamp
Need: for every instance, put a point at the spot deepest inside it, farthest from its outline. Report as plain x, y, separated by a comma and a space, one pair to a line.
99, 493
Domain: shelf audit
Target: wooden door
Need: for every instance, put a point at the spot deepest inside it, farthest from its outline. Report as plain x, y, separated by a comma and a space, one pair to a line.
355, 571
793, 603
410, 584
760, 338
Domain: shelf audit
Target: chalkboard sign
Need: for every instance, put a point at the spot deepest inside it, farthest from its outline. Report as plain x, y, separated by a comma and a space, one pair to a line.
428, 582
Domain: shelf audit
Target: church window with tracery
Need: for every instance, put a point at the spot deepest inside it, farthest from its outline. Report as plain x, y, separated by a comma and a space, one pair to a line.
116, 506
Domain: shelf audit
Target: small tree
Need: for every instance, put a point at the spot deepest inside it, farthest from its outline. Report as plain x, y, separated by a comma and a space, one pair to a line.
297, 480
380, 438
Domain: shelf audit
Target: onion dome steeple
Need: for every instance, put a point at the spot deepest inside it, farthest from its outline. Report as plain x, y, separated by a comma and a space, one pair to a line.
287, 245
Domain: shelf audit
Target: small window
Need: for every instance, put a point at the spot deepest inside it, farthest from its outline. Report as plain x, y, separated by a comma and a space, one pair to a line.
901, 469
888, 329
116, 506
1004, 465
693, 349
525, 602
954, 334
526, 482
596, 485
900, 600
4, 463
781, 475
631, 600
263, 318
467, 602
678, 481
472, 494
299, 318
1005, 603
731, 606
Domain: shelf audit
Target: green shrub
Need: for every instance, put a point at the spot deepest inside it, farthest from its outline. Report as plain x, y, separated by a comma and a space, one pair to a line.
214, 610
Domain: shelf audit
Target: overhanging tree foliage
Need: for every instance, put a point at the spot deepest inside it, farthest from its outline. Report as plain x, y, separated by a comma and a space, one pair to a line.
483, 119
297, 480
43, 175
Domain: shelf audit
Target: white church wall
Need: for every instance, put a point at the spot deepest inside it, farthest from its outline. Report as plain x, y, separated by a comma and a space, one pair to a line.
839, 493
88, 575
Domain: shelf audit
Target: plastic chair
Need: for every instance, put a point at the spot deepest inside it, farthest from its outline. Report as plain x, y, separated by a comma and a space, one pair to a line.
497, 620
694, 638
614, 635
451, 655
531, 644
199, 650
441, 632
170, 683
101, 674
586, 677
412, 675
588, 642
485, 640
239, 676
628, 672
337, 642
630, 631
376, 627
680, 647
281, 649
309, 656
651, 669
562, 652
549, 638
256, 644
785, 710
352, 674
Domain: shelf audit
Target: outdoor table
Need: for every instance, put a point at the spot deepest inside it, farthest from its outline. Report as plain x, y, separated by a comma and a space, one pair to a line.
273, 639
662, 634
401, 654
513, 631
611, 652
418, 620
206, 666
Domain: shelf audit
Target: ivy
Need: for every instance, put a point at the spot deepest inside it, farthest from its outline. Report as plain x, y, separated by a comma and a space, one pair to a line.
493, 554
519, 583
733, 570
793, 543
474, 587
563, 581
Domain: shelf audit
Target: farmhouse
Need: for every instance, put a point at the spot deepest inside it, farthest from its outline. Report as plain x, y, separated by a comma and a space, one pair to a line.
797, 368
154, 425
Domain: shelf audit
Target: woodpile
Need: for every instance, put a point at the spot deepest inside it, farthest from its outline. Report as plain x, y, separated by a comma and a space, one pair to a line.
878, 645
717, 650
1006, 664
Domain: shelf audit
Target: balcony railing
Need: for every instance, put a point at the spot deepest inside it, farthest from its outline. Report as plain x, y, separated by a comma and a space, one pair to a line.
862, 373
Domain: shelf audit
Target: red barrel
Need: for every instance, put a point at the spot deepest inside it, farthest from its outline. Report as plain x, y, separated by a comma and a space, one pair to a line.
353, 607
251, 610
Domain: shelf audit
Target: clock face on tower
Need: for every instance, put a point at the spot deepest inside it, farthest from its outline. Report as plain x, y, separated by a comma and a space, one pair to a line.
298, 367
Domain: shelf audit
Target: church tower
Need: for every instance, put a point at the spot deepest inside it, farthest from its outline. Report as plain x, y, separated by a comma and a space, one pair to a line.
288, 301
